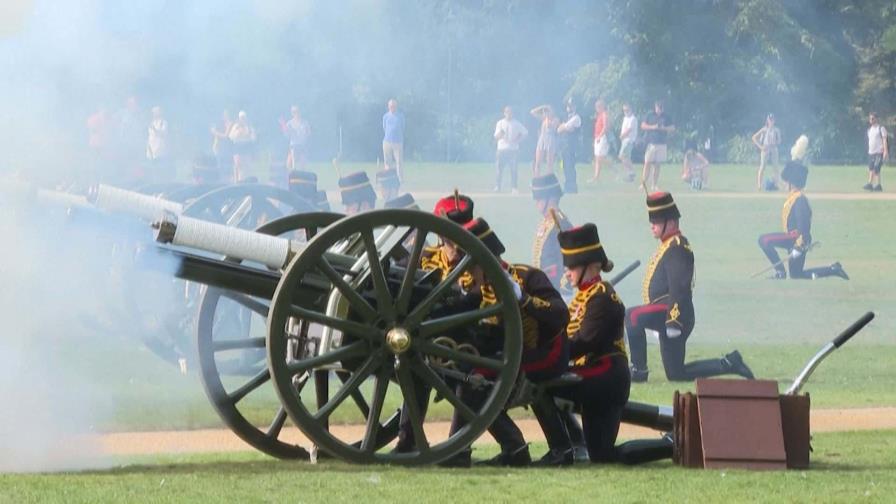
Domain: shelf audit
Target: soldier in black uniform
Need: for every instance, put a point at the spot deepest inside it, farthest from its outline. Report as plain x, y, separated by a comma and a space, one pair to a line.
405, 201
442, 257
668, 303
357, 194
796, 219
545, 249
545, 352
597, 344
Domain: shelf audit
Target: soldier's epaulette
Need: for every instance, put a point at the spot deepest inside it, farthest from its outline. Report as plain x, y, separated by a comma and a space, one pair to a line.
523, 267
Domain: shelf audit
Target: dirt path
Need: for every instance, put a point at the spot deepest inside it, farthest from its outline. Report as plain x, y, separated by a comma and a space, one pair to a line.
222, 440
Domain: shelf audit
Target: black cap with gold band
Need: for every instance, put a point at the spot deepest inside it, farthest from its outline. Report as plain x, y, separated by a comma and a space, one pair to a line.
303, 183
405, 201
661, 207
355, 188
546, 186
581, 246
388, 179
480, 228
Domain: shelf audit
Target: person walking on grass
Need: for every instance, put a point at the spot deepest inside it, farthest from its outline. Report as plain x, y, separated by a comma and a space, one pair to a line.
878, 152
508, 133
546, 149
627, 136
393, 137
657, 126
601, 141
767, 140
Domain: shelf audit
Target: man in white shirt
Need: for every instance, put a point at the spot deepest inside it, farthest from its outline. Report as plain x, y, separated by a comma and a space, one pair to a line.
509, 133
157, 148
569, 141
627, 136
878, 152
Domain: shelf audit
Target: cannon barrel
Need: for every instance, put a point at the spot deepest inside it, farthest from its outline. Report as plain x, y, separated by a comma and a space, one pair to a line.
29, 192
648, 415
115, 200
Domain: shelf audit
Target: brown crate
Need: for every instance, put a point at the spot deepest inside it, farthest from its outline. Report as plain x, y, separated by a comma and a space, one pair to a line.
795, 418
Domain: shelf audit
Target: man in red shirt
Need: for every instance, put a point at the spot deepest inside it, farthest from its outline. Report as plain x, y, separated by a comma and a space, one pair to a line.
601, 142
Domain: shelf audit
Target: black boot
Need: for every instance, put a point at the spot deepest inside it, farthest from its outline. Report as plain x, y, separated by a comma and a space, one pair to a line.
641, 451
639, 375
837, 270
518, 457
460, 459
555, 458
734, 363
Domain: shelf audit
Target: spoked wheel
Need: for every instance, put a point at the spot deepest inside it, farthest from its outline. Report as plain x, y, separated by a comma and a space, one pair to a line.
390, 331
231, 356
247, 205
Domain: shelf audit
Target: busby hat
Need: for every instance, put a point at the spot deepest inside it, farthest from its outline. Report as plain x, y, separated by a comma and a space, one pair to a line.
480, 229
457, 207
404, 201
581, 246
355, 188
387, 178
303, 183
661, 207
795, 173
546, 186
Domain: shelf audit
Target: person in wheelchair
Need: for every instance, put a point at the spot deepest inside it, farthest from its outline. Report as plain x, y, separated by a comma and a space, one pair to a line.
596, 343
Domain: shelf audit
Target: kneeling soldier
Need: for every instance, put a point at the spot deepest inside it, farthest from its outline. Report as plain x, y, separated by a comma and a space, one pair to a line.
597, 344
796, 218
545, 349
669, 307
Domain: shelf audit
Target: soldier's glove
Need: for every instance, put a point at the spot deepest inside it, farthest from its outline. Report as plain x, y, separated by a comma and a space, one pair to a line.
517, 290
795, 253
672, 331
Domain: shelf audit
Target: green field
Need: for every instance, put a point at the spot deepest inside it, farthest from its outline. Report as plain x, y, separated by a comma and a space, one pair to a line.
777, 326
847, 467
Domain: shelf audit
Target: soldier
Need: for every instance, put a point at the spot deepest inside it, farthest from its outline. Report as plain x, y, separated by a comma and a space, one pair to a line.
321, 202
388, 184
546, 254
357, 194
405, 201
796, 219
304, 184
669, 308
545, 354
597, 344
442, 257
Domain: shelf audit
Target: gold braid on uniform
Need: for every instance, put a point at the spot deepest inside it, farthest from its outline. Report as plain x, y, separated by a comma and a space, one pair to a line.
652, 265
577, 309
541, 237
435, 259
530, 325
785, 213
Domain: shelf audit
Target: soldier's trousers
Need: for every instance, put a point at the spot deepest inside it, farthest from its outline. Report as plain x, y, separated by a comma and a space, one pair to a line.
770, 242
568, 155
601, 395
672, 350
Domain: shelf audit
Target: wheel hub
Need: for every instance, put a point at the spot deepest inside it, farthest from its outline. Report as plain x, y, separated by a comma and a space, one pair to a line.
398, 339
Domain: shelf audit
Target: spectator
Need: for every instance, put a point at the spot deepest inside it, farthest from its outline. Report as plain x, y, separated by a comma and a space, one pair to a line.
509, 133
393, 137
695, 167
601, 142
161, 168
222, 147
569, 143
298, 131
546, 149
628, 134
878, 152
657, 126
767, 140
242, 134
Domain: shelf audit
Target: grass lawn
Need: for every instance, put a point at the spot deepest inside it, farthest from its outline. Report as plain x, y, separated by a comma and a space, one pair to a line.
846, 467
118, 385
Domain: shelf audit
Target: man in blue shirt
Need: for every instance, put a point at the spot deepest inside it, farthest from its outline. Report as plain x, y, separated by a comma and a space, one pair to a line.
393, 136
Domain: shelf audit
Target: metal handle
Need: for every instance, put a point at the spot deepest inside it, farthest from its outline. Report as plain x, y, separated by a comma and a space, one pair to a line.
853, 329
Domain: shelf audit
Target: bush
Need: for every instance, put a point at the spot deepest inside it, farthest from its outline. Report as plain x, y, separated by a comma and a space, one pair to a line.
740, 149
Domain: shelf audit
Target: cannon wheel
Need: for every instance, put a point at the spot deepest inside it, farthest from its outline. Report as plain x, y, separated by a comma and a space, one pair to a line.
218, 205
393, 342
227, 403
